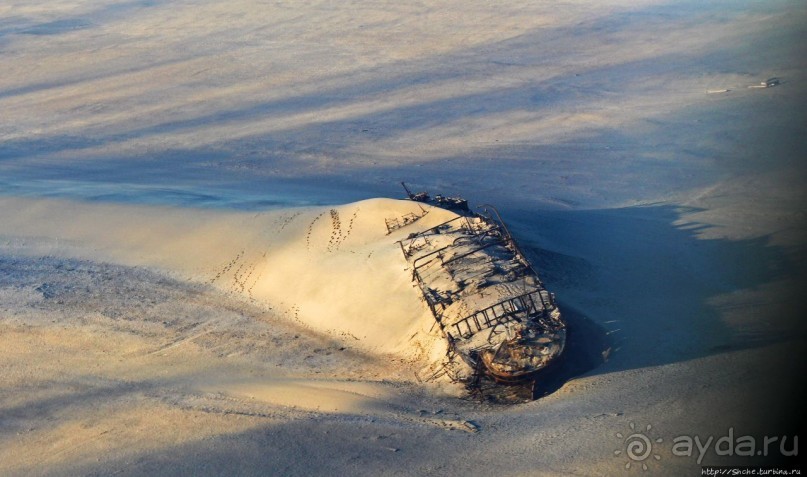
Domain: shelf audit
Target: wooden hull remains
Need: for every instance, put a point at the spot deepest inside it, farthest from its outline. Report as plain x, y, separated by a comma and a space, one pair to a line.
488, 301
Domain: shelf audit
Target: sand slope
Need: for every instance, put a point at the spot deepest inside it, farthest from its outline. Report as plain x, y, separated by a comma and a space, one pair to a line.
336, 270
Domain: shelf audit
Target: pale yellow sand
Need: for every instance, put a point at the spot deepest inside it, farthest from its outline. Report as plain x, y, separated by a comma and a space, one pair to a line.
335, 270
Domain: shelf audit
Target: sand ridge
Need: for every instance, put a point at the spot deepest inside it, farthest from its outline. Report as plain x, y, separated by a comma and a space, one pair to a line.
336, 270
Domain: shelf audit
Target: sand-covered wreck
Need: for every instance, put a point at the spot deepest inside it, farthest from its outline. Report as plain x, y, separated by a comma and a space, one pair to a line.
486, 298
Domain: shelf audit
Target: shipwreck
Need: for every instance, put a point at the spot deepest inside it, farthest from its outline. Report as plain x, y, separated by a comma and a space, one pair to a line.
499, 321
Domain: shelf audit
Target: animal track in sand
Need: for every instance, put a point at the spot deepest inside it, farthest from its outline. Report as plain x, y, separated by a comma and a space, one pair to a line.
310, 229
236, 275
242, 274
336, 232
227, 267
240, 279
350, 224
286, 220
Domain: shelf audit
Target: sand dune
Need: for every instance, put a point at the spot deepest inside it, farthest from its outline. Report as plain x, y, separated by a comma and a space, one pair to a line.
335, 270
274, 314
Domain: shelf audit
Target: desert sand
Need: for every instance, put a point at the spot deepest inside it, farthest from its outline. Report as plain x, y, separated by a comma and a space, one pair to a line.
195, 276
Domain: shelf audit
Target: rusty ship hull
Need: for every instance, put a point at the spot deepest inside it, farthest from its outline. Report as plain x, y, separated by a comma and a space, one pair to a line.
499, 320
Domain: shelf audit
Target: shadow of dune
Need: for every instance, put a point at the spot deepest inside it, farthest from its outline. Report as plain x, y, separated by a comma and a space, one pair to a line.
115, 74
348, 446
57, 27
640, 288
80, 393
551, 91
371, 123
587, 347
655, 286
82, 20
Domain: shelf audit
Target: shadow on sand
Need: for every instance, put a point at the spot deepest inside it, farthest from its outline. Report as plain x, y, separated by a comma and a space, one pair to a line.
641, 287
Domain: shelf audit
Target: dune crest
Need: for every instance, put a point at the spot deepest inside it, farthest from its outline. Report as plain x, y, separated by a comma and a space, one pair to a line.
335, 270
